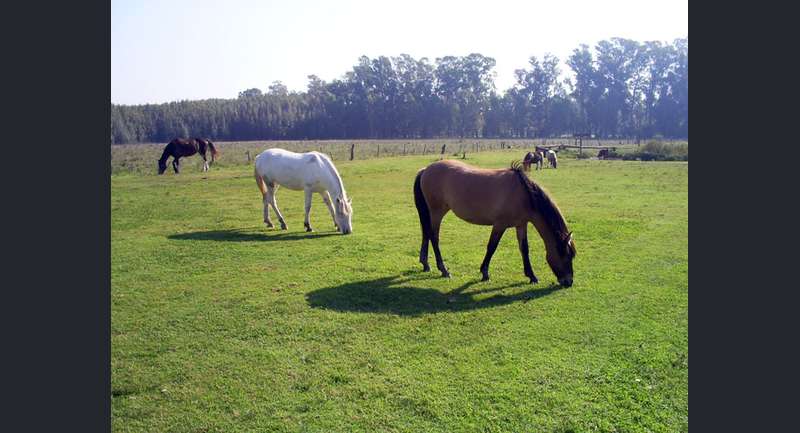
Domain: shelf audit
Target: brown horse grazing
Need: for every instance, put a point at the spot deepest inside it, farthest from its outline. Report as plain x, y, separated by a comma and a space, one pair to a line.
500, 198
181, 147
533, 158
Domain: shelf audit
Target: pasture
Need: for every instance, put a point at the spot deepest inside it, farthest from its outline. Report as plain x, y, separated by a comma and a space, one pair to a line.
140, 158
220, 325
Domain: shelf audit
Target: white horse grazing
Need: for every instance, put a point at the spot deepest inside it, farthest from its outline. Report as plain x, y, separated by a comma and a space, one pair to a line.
552, 159
311, 172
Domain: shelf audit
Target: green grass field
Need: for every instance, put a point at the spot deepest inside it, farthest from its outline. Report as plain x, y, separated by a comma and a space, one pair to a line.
220, 325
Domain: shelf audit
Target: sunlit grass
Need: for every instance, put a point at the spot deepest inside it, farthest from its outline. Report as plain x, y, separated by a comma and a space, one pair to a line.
219, 324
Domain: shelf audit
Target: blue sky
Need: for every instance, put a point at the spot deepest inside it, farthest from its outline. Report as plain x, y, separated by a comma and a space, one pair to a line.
170, 50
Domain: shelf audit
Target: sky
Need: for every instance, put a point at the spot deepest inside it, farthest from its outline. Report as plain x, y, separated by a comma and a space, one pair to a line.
171, 50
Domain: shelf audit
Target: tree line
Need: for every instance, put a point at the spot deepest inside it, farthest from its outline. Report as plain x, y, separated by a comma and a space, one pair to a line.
618, 88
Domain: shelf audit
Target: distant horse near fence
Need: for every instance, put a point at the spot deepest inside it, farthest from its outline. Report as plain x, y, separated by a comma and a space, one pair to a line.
552, 158
533, 158
607, 153
181, 147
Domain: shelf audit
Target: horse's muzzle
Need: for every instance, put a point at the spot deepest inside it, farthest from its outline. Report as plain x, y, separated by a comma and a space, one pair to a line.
566, 282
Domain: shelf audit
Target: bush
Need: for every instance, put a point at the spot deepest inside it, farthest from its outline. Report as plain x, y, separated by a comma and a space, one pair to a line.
657, 150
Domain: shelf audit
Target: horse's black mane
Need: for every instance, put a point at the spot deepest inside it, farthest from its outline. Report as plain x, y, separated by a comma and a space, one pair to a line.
542, 202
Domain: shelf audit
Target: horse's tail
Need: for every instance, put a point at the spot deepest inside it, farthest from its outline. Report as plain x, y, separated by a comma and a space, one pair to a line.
422, 208
213, 149
260, 182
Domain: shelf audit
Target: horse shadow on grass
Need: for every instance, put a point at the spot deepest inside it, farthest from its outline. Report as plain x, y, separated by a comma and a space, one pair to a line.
392, 295
249, 235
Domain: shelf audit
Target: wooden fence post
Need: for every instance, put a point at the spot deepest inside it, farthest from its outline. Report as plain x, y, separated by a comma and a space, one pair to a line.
352, 150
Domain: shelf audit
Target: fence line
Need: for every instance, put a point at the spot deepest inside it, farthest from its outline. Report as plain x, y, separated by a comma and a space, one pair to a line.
141, 158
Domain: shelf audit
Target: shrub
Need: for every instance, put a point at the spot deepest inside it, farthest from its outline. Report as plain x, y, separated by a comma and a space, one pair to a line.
657, 150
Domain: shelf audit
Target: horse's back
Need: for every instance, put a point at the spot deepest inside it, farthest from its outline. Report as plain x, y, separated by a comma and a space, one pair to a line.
476, 195
278, 156
183, 146
290, 169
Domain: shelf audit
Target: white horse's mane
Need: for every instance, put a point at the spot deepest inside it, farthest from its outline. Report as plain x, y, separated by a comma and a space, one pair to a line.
334, 173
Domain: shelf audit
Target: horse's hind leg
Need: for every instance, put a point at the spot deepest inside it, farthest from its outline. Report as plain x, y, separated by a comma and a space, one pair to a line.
267, 200
423, 252
522, 239
271, 193
176, 165
205, 162
307, 221
494, 240
436, 222
326, 197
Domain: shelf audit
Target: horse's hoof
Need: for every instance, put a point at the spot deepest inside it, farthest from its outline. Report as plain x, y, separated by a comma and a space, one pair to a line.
485, 277
283, 227
534, 280
269, 225
308, 229
445, 274
426, 268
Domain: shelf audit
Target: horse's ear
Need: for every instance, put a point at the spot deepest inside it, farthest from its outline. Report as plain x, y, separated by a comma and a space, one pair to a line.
338, 200
569, 237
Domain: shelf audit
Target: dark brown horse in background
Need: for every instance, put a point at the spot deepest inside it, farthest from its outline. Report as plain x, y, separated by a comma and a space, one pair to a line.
181, 147
500, 198
533, 158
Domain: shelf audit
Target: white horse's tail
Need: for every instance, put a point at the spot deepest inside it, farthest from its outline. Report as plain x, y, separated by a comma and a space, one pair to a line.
260, 181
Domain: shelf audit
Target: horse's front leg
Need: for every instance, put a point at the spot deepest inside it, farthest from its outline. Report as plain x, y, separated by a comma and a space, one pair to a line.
307, 222
326, 197
494, 240
205, 162
522, 239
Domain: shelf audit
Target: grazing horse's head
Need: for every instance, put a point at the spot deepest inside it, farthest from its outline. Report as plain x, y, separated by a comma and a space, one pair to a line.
526, 162
548, 220
162, 166
344, 215
560, 258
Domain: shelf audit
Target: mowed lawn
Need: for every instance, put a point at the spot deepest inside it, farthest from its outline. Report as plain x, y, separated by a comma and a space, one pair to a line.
220, 325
